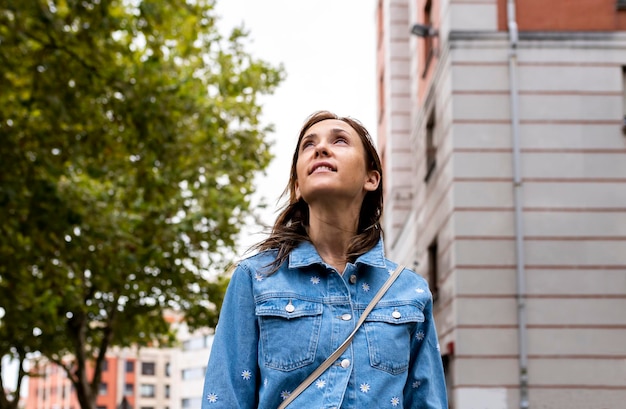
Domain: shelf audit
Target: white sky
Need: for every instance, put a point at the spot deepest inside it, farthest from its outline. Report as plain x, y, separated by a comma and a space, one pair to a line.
328, 48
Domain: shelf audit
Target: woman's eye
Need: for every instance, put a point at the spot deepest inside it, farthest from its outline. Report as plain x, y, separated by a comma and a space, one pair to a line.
341, 140
306, 144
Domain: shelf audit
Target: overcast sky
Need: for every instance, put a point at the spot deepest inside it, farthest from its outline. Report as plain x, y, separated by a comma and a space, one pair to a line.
328, 48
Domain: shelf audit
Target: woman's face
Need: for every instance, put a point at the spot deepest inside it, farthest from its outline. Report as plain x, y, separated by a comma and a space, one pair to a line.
331, 164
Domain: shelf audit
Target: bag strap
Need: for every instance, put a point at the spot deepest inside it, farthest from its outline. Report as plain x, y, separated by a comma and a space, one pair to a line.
335, 355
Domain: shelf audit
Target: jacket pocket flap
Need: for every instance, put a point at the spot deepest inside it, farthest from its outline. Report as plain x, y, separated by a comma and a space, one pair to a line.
398, 314
288, 307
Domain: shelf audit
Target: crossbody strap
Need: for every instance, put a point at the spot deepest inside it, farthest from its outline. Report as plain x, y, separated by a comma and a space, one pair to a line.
335, 355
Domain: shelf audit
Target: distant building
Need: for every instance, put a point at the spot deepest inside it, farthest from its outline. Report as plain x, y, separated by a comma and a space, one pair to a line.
148, 378
500, 125
190, 366
51, 389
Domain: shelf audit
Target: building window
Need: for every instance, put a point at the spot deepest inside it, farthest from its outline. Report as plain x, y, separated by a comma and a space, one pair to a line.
148, 368
129, 389
193, 373
102, 389
429, 50
130, 366
189, 403
104, 365
168, 368
195, 344
147, 391
433, 269
447, 370
621, 4
431, 148
167, 391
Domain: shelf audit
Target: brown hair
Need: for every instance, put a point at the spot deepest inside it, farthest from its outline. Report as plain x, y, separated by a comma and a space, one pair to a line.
290, 227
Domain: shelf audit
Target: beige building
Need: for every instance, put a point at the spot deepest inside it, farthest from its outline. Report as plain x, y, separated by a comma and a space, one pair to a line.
500, 128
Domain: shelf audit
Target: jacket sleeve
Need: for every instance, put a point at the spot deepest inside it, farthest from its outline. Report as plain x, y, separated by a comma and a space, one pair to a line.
232, 375
426, 385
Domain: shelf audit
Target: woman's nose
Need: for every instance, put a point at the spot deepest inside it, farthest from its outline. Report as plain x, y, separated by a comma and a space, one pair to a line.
321, 149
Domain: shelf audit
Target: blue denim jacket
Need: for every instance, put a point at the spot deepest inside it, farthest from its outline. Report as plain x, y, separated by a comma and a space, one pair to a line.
274, 330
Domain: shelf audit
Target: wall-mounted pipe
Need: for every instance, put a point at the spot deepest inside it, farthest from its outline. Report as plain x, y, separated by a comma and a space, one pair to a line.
517, 197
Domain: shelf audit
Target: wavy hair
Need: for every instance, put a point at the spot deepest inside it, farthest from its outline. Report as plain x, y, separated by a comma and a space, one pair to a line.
290, 227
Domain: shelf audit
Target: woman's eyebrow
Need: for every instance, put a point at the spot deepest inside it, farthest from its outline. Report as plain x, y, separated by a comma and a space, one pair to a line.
333, 131
336, 131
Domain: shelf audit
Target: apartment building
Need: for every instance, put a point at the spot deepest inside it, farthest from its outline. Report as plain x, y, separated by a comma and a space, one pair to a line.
145, 378
501, 132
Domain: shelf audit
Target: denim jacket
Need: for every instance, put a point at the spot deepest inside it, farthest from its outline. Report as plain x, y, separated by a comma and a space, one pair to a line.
274, 330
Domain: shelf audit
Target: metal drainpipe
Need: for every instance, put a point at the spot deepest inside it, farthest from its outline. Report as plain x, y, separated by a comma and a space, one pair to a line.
517, 196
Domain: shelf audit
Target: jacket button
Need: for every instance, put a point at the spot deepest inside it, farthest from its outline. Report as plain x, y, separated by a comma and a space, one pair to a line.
353, 279
345, 363
290, 308
396, 314
346, 317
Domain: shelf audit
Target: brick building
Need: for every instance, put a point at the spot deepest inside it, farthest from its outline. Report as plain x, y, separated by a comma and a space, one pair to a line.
146, 378
500, 128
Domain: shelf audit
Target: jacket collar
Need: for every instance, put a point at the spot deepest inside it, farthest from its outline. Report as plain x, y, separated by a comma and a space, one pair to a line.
305, 254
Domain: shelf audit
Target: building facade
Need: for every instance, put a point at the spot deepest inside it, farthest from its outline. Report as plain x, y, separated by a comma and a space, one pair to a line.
146, 378
500, 125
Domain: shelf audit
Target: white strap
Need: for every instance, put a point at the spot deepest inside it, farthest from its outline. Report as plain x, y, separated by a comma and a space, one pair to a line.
335, 355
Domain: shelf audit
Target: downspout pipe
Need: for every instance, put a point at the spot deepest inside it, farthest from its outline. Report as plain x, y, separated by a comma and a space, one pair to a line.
517, 197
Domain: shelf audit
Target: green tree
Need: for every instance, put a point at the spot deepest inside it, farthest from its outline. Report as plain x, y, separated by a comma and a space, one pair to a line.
130, 136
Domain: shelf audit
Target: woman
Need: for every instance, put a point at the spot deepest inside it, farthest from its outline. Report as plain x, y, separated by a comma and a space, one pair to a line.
289, 306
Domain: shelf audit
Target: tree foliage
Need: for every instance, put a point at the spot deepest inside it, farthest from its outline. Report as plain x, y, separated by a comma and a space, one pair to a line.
130, 137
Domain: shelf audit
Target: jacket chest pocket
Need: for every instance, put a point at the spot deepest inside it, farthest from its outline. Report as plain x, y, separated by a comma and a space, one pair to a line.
289, 332
388, 330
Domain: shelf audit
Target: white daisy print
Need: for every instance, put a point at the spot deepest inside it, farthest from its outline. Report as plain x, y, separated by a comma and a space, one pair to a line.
315, 280
419, 290
258, 277
420, 335
365, 287
285, 394
265, 382
212, 398
390, 271
320, 383
438, 347
246, 375
365, 387
417, 384
395, 401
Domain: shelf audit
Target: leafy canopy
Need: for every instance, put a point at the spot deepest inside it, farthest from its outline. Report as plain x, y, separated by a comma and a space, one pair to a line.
130, 137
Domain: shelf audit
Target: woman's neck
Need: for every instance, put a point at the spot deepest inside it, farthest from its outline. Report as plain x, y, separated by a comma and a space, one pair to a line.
331, 233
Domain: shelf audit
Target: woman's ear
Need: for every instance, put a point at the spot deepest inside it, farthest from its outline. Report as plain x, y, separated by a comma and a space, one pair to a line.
372, 181
297, 191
